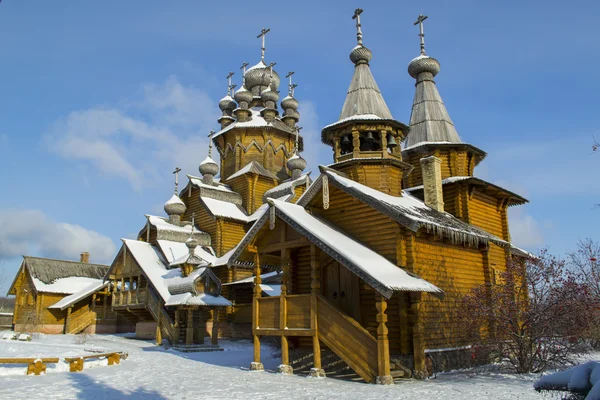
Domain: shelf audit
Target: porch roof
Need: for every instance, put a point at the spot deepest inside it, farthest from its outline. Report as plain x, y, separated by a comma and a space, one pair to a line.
68, 301
376, 270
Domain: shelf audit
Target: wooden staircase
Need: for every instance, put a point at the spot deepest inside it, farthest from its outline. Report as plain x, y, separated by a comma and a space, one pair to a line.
158, 312
348, 339
79, 323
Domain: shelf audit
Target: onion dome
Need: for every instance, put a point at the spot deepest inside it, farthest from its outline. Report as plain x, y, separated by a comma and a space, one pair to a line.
423, 63
269, 95
174, 206
258, 78
243, 95
208, 167
296, 162
289, 103
360, 55
191, 243
227, 104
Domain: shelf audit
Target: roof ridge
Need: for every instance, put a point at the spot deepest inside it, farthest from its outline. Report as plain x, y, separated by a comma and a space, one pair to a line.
67, 261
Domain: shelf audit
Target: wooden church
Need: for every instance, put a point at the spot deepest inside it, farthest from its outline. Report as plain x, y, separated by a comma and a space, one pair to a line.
365, 261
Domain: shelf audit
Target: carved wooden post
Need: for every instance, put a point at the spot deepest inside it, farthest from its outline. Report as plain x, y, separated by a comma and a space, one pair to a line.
129, 291
417, 334
336, 149
189, 330
158, 331
214, 338
383, 345
68, 319
315, 289
256, 365
356, 143
285, 367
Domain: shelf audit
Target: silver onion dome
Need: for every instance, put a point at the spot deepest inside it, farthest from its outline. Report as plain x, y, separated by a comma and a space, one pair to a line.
243, 95
191, 243
258, 78
422, 64
209, 167
296, 162
360, 55
227, 103
174, 206
269, 95
289, 103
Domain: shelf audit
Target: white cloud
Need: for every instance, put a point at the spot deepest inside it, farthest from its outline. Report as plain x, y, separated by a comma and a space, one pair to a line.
31, 232
143, 140
525, 231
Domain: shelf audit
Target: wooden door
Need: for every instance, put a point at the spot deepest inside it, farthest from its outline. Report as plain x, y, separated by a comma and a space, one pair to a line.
340, 288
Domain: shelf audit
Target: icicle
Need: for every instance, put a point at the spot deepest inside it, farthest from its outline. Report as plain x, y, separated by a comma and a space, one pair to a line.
272, 218
325, 192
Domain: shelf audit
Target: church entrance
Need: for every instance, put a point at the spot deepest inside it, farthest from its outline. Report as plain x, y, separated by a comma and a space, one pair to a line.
341, 289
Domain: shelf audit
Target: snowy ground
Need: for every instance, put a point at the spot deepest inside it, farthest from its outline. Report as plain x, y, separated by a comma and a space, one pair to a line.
151, 372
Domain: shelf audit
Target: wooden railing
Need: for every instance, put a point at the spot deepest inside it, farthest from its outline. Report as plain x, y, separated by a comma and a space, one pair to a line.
161, 316
129, 297
242, 313
296, 315
348, 339
80, 322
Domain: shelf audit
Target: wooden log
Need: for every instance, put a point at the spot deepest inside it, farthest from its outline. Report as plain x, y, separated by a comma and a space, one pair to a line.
214, 338
256, 364
315, 288
383, 347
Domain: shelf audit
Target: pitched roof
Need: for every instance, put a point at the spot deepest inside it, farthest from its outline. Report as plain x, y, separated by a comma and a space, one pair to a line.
364, 97
407, 210
68, 301
178, 233
287, 188
515, 199
429, 119
253, 167
48, 270
376, 270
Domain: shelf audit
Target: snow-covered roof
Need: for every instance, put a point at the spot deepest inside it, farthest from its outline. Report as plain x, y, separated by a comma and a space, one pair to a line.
413, 146
68, 301
406, 210
194, 180
168, 231
287, 187
69, 285
515, 198
373, 268
256, 121
253, 167
155, 267
175, 250
61, 276
250, 279
198, 300
225, 209
271, 290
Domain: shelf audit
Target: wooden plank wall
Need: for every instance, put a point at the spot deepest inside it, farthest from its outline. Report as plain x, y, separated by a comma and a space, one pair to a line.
202, 218
454, 269
484, 213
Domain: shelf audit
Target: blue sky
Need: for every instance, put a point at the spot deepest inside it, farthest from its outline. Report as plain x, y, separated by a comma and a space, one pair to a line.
100, 100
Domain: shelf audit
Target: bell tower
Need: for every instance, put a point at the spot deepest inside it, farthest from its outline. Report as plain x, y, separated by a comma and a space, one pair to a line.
366, 138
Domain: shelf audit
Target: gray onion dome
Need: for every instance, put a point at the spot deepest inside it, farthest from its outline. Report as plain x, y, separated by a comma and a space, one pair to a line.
296, 162
289, 103
422, 64
258, 78
243, 95
191, 243
360, 55
269, 95
227, 104
174, 206
208, 167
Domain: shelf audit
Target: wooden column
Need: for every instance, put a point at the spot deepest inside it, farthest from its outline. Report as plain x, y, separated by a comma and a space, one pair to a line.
315, 290
189, 330
256, 365
383, 345
68, 319
417, 336
158, 331
336, 148
356, 143
285, 367
214, 337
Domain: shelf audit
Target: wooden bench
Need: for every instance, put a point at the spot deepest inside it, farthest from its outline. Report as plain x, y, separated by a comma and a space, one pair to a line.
76, 363
34, 365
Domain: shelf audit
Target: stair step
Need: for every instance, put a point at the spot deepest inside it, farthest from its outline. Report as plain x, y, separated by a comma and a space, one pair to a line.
196, 348
397, 374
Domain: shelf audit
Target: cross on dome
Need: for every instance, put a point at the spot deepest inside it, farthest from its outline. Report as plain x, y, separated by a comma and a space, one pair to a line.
263, 34
356, 16
176, 173
419, 21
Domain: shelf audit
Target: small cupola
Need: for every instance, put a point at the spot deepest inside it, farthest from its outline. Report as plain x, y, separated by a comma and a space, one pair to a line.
227, 104
290, 105
174, 207
209, 168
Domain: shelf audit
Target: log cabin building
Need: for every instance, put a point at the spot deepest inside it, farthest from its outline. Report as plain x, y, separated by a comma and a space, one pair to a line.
367, 262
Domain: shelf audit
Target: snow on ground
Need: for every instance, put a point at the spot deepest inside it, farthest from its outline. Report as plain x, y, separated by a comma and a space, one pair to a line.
152, 372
